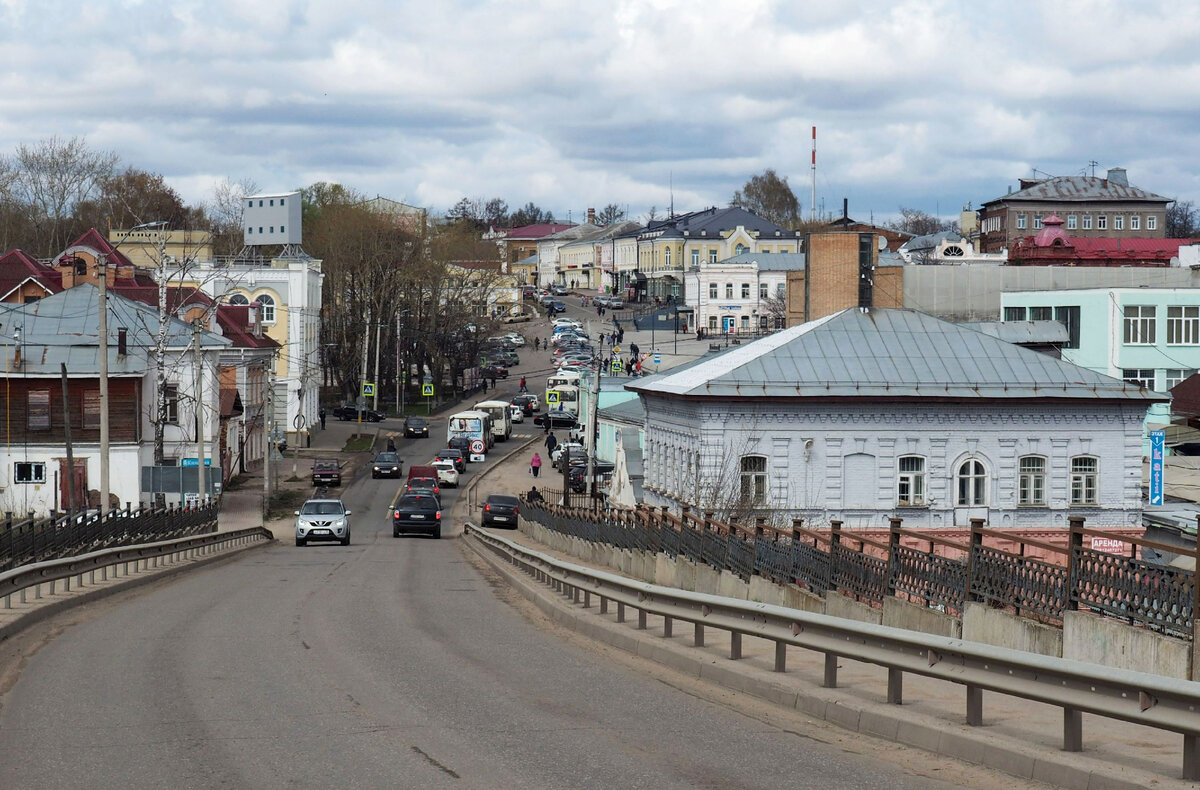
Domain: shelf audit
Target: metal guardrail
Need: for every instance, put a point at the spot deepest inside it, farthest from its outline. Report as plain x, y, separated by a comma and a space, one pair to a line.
1075, 686
146, 555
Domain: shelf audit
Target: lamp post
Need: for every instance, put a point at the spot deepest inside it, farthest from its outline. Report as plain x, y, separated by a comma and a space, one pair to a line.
401, 372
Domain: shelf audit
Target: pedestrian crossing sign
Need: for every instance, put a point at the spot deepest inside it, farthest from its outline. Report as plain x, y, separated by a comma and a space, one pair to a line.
427, 390
551, 398
368, 389
616, 366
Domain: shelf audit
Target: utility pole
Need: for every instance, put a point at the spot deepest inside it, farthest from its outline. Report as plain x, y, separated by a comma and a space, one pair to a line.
363, 377
593, 434
375, 396
268, 430
102, 280
67, 435
200, 489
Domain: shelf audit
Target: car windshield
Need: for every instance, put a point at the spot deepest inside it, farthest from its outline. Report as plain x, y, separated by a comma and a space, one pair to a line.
420, 500
387, 458
415, 422
502, 499
322, 509
325, 465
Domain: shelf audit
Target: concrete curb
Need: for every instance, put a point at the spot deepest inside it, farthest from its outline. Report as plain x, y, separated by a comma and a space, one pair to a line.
114, 586
886, 722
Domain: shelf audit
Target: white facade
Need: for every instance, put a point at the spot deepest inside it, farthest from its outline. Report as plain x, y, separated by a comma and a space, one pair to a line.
271, 219
844, 461
290, 290
733, 296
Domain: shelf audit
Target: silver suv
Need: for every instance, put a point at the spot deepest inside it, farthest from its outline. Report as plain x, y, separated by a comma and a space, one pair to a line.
323, 519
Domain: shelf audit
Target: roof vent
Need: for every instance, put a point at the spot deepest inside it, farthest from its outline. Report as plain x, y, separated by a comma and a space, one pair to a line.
1117, 176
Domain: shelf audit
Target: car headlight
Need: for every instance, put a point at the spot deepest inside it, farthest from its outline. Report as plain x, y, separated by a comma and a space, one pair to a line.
395, 469
341, 522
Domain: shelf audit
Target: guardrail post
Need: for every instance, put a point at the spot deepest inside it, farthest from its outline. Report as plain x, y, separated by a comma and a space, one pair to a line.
620, 612
735, 645
781, 656
1074, 543
976, 543
974, 706
1191, 757
1072, 730
895, 691
831, 668
893, 543
668, 626
603, 605
698, 635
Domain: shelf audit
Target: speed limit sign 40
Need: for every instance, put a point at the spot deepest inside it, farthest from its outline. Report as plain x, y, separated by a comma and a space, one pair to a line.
477, 447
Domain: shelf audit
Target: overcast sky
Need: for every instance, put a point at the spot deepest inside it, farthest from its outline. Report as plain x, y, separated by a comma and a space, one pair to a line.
924, 104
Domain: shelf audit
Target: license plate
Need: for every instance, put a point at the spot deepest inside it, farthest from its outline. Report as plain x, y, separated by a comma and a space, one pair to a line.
320, 532
500, 518
417, 515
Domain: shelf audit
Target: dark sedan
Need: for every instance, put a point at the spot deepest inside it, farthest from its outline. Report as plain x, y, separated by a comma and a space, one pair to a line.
500, 510
493, 372
417, 512
386, 465
453, 454
556, 419
351, 413
415, 428
462, 444
525, 402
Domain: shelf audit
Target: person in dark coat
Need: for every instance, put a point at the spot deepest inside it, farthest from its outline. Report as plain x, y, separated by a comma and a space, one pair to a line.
321, 414
551, 440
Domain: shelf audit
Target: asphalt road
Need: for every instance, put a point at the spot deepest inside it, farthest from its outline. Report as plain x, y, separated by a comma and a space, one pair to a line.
388, 663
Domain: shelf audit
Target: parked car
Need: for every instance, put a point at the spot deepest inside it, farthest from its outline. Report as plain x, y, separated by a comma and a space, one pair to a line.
615, 303
354, 413
386, 464
416, 428
558, 289
500, 510
527, 402
447, 472
493, 371
326, 472
417, 512
516, 318
508, 359
563, 320
558, 418
546, 298
323, 519
576, 448
453, 454
600, 301
516, 413
556, 306
516, 339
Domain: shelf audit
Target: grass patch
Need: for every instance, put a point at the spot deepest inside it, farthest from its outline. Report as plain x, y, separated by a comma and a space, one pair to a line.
359, 442
285, 503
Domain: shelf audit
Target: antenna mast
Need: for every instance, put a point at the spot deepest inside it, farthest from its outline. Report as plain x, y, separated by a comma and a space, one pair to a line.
812, 206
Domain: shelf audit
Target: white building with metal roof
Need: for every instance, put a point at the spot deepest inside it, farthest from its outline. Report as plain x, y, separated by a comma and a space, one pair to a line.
862, 415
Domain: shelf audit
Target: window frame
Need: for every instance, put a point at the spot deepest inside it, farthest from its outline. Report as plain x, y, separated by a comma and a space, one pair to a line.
713, 290
1173, 377
753, 479
1072, 221
1087, 222
1142, 377
745, 291
171, 403
1135, 222
728, 290
1022, 220
911, 480
1151, 222
90, 408
31, 477
970, 483
1139, 327
38, 412
1084, 482
267, 308
764, 292
1101, 222
1031, 481
1183, 328
1119, 222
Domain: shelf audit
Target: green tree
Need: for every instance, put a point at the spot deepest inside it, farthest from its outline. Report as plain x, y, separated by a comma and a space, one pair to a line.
770, 197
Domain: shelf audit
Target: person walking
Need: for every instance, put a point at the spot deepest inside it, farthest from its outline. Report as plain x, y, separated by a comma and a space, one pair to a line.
551, 442
523, 385
537, 343
321, 414
535, 464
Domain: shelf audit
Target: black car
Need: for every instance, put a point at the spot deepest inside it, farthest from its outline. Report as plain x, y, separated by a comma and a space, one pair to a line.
500, 510
415, 428
387, 464
493, 372
417, 512
556, 307
353, 413
557, 419
578, 473
455, 455
525, 402
462, 444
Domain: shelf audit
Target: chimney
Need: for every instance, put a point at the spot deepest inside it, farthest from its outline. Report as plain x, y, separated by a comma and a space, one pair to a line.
255, 325
846, 209
1118, 177
122, 341
591, 216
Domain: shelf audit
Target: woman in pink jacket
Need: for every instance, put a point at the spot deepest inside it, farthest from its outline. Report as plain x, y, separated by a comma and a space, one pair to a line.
535, 465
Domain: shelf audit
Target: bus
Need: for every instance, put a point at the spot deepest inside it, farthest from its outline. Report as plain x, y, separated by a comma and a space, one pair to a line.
566, 397
501, 418
471, 425
563, 377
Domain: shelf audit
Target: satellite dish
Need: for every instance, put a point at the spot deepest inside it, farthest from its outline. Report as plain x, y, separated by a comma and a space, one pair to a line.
881, 243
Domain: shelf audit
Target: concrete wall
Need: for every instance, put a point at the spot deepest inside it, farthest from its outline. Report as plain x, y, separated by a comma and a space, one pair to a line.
1108, 641
982, 623
898, 613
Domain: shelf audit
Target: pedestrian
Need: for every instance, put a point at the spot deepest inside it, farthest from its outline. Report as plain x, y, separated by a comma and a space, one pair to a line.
534, 495
523, 385
537, 344
321, 414
634, 348
602, 339
391, 445
535, 464
493, 382
620, 335
551, 440
484, 380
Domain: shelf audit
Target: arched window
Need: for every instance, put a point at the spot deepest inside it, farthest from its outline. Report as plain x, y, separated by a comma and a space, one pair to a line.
1031, 481
910, 481
754, 479
972, 483
238, 299
741, 249
268, 307
667, 257
1085, 478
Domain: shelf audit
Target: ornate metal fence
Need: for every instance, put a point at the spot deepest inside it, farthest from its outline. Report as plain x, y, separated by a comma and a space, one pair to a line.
945, 574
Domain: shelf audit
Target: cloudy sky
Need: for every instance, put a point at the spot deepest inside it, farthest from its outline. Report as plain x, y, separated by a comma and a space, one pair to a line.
924, 104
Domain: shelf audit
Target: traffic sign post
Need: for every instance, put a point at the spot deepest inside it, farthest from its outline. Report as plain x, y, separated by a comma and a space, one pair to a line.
477, 449
368, 389
551, 398
427, 390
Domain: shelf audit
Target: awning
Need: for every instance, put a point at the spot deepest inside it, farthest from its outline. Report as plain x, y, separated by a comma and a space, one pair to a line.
638, 276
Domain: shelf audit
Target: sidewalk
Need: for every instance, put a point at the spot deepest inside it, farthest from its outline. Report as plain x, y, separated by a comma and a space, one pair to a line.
1019, 737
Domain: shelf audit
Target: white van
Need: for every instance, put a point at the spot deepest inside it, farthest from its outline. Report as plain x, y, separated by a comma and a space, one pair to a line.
501, 418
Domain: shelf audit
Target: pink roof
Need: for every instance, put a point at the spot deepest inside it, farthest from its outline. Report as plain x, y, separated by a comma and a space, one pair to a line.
537, 231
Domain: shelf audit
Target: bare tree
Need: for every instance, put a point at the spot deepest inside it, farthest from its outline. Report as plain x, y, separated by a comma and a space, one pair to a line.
651, 215
54, 176
610, 215
920, 223
225, 214
770, 197
1183, 221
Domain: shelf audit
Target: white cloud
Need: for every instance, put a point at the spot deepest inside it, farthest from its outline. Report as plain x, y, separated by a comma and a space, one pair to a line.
923, 103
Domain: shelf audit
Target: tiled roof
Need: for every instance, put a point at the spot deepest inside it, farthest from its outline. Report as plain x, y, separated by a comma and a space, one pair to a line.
234, 320
16, 267
888, 354
536, 231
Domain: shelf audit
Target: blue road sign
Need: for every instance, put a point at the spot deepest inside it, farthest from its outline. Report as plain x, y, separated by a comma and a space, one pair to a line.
1158, 440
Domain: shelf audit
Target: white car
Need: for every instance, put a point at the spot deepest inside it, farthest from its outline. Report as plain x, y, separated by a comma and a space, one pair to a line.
517, 339
516, 413
560, 321
559, 449
323, 519
447, 472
